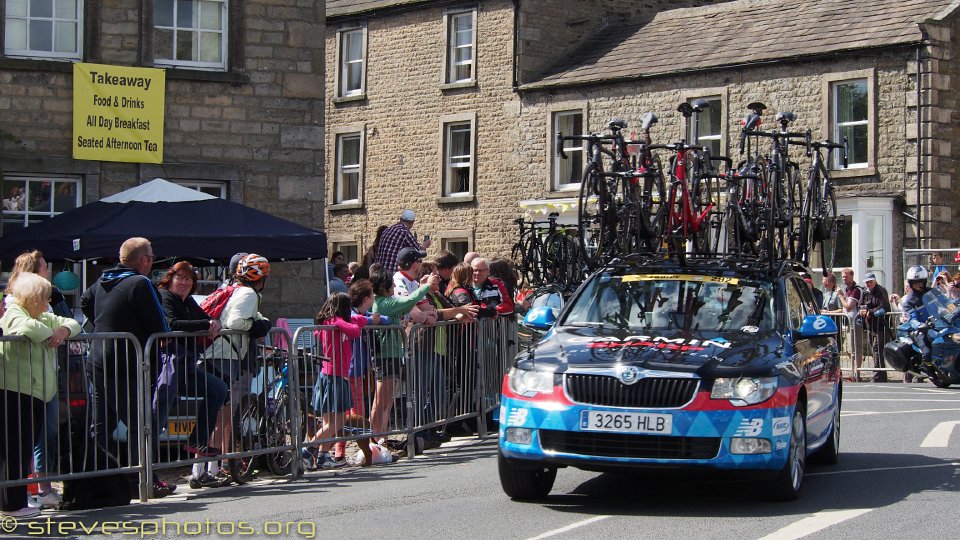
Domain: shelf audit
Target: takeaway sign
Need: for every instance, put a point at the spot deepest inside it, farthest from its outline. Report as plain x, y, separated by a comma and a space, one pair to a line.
118, 113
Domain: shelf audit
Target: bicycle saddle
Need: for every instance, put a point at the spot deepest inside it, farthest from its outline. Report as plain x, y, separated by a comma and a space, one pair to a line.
685, 109
647, 119
785, 117
617, 124
757, 107
700, 104
751, 122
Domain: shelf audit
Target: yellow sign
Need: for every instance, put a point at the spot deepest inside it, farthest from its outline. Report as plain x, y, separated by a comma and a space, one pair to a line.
118, 113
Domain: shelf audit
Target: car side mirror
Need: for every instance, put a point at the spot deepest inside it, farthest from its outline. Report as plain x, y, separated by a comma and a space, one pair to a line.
817, 325
541, 318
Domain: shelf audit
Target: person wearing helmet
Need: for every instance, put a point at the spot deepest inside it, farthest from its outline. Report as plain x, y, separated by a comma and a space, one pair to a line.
231, 356
912, 304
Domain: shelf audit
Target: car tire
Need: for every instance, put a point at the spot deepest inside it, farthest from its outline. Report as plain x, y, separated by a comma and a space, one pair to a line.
829, 453
786, 487
525, 484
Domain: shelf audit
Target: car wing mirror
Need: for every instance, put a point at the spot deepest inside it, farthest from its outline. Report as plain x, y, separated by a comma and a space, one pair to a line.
541, 318
816, 326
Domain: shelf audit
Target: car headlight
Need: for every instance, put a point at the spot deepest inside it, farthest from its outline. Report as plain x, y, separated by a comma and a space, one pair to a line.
744, 390
530, 382
955, 338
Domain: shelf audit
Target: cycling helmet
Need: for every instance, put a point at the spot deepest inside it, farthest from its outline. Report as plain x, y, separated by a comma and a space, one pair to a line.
917, 273
253, 267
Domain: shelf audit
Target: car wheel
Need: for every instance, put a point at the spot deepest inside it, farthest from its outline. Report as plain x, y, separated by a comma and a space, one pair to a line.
786, 487
525, 484
829, 453
939, 383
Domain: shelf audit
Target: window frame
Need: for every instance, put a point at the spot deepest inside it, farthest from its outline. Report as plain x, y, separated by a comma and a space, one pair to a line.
830, 82
340, 79
24, 216
444, 238
348, 244
449, 63
718, 137
342, 169
339, 133
446, 195
556, 184
46, 55
225, 31
719, 92
201, 185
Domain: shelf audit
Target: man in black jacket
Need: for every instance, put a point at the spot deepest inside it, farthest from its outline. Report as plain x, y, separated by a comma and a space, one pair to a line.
873, 309
122, 300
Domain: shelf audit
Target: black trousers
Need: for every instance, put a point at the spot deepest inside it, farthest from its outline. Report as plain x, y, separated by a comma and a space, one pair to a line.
20, 413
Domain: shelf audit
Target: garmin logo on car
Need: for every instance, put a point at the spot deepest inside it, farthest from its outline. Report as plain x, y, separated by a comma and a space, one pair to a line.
629, 375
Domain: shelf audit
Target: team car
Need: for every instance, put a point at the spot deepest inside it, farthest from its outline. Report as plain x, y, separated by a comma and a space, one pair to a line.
709, 368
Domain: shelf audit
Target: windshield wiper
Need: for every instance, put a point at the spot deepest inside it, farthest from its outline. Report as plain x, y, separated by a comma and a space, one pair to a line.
585, 324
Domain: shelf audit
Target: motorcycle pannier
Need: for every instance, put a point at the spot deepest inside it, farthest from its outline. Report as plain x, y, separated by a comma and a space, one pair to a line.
898, 355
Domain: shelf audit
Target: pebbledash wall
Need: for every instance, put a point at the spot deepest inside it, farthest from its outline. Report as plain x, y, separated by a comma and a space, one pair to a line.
256, 128
404, 103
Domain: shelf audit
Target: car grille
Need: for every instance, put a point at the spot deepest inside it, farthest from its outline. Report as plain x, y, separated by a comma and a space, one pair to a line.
654, 392
629, 446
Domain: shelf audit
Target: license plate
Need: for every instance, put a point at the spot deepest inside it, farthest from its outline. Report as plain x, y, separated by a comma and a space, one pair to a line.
180, 427
626, 422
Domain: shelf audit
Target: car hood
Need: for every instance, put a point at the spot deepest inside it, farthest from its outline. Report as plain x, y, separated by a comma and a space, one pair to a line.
709, 354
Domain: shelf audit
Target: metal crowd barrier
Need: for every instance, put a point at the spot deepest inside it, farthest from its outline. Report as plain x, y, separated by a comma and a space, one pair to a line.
134, 413
91, 427
859, 343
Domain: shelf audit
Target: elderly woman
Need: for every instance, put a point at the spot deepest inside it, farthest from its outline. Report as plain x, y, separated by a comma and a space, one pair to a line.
46, 449
28, 378
180, 374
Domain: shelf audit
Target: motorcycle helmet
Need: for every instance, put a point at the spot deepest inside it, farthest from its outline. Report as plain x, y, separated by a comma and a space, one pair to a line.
917, 273
253, 267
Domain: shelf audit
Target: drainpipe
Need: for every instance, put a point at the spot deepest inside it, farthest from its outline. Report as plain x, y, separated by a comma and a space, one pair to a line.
919, 138
516, 44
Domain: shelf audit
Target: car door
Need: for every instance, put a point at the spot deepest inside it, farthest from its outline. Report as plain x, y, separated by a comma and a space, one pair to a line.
816, 356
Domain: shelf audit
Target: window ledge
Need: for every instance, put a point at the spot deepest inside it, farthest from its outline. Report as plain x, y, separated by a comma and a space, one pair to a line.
203, 75
457, 85
348, 99
64, 65
456, 199
563, 194
346, 206
853, 173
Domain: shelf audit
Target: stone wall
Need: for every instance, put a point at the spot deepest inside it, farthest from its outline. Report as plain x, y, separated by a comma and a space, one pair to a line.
402, 114
259, 127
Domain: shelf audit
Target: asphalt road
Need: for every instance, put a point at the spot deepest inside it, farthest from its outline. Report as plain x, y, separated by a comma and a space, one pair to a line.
898, 477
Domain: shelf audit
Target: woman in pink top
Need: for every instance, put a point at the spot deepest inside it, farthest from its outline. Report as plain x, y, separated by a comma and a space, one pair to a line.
331, 395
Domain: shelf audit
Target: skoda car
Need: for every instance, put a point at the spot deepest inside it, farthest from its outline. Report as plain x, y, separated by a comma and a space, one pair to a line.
710, 369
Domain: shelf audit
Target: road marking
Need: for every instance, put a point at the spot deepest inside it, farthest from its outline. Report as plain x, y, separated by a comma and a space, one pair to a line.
847, 400
814, 523
884, 469
865, 413
569, 527
939, 436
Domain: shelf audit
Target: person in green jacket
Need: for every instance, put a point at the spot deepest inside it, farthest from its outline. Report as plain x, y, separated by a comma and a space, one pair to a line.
389, 362
28, 378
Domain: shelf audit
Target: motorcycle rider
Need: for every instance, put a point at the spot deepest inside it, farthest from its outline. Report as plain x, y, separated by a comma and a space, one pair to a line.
912, 305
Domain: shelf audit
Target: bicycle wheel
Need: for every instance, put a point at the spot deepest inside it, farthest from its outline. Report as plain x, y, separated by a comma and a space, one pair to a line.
279, 432
533, 255
592, 217
652, 206
627, 201
804, 241
705, 203
826, 229
247, 426
795, 202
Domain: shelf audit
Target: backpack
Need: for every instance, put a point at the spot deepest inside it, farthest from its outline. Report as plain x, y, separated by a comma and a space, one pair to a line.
213, 304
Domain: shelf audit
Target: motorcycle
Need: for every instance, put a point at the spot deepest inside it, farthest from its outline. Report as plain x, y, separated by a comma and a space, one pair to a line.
928, 344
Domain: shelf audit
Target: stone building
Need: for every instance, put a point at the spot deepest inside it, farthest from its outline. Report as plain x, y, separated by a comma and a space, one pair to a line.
449, 108
243, 109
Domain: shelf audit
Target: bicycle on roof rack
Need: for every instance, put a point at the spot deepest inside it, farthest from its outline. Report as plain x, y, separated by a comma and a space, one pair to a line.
819, 225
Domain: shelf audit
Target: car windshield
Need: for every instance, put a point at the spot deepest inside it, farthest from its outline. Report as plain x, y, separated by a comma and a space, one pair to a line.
673, 302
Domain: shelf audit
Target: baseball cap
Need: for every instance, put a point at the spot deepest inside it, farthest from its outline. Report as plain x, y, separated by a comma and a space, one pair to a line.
408, 256
869, 276
407, 215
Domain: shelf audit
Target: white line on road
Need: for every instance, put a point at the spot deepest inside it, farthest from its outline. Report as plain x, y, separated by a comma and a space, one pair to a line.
846, 400
814, 523
939, 436
562, 530
884, 469
864, 413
